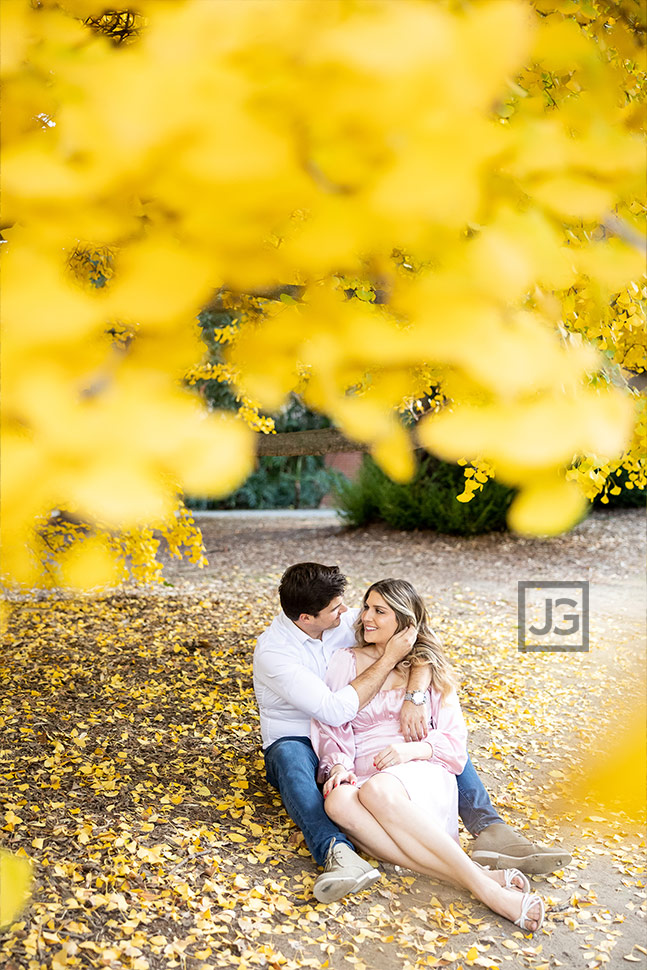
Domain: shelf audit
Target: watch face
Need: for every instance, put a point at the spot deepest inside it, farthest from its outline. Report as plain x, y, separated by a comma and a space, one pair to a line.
418, 697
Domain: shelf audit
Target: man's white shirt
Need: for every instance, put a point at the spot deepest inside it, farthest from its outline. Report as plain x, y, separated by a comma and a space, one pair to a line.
289, 672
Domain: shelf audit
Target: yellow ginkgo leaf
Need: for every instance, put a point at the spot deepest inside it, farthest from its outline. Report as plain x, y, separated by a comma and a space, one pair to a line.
546, 507
216, 456
90, 564
15, 884
574, 197
394, 454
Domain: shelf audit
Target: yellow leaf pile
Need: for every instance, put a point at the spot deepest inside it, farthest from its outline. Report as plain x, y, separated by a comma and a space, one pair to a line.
132, 775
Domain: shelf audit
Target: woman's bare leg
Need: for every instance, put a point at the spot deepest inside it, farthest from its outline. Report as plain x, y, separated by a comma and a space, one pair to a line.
343, 806
431, 847
346, 810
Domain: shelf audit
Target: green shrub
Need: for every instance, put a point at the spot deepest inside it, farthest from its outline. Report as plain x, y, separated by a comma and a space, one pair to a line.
357, 501
277, 483
428, 502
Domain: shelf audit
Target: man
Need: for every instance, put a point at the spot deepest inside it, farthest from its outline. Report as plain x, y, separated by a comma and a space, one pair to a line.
290, 662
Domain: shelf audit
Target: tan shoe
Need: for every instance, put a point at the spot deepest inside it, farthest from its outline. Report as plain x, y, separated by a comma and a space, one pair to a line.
344, 872
500, 847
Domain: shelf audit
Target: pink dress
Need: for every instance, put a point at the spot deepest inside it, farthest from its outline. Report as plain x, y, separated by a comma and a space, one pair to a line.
430, 784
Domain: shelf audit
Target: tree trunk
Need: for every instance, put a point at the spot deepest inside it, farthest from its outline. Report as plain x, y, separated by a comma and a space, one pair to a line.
320, 441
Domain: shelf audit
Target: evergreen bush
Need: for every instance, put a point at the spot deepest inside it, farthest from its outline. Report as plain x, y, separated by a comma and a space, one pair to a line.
427, 502
277, 483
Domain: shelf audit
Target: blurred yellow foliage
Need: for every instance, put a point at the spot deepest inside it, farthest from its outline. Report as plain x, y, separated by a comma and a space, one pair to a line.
466, 165
15, 882
88, 564
615, 777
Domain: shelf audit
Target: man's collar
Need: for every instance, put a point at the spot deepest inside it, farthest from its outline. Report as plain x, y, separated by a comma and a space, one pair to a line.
296, 631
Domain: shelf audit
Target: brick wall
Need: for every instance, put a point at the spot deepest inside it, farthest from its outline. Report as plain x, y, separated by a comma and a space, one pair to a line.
346, 462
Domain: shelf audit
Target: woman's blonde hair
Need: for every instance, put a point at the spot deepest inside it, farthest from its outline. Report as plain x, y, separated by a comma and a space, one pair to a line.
410, 610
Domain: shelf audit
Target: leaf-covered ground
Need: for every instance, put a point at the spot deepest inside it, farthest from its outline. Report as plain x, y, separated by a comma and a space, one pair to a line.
131, 771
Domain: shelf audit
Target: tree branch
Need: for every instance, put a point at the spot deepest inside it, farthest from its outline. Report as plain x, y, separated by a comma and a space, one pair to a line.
320, 441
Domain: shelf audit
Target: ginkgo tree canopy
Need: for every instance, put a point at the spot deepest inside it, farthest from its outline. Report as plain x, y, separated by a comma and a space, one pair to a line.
478, 165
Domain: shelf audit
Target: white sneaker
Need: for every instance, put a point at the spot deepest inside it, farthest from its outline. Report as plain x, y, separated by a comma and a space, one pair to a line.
344, 872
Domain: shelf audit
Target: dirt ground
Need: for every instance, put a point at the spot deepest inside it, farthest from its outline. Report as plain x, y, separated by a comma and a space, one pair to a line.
137, 710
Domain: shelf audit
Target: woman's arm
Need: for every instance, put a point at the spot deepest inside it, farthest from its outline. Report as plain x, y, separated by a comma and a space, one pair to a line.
398, 753
445, 744
449, 737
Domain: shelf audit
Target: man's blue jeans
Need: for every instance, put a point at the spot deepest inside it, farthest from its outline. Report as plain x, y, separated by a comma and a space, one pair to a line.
474, 805
291, 767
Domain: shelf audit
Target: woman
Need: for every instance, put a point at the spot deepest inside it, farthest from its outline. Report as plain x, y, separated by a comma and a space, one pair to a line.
397, 800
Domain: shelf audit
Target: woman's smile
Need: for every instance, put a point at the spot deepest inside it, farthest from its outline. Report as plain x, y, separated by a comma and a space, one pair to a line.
378, 619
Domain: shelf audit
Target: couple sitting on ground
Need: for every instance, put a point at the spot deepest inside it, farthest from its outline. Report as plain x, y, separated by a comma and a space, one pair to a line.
363, 703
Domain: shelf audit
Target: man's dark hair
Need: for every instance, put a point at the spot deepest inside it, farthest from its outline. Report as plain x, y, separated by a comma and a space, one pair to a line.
307, 587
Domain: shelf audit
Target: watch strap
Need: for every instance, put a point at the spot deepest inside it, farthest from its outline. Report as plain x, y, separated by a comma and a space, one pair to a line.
411, 696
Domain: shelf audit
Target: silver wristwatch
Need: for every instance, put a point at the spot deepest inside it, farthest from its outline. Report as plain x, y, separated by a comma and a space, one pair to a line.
416, 697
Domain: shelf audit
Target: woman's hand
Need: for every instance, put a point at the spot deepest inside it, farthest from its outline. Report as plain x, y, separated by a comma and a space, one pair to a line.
394, 754
397, 754
338, 776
